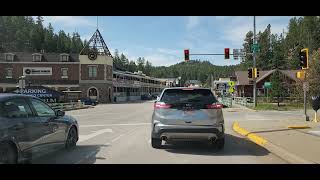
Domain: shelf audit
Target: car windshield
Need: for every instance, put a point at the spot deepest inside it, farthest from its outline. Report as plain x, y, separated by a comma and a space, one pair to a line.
181, 96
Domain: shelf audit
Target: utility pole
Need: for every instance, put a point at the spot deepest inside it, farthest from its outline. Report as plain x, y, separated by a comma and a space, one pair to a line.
254, 63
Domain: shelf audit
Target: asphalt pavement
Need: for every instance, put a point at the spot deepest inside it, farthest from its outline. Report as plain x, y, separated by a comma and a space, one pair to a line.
120, 134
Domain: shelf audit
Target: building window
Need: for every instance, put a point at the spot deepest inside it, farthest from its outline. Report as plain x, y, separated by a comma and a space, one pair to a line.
64, 72
9, 73
9, 56
64, 57
92, 71
37, 57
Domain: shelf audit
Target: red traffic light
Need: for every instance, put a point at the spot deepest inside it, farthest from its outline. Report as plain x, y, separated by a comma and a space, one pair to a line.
186, 55
226, 53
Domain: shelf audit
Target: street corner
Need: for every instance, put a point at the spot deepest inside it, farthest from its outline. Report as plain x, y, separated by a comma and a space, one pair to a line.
251, 136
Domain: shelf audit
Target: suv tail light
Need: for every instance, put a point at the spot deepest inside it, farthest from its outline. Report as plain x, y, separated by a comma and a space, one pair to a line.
214, 106
162, 105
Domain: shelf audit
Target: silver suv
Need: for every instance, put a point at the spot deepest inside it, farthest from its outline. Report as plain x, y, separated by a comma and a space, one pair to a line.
187, 114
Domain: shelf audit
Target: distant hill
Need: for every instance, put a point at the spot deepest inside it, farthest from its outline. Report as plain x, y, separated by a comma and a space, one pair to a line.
194, 70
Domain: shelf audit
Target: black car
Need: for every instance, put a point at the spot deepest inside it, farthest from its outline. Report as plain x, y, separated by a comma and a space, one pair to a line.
89, 101
30, 128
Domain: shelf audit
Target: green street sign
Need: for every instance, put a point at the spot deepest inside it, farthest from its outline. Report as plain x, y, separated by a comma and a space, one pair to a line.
267, 85
255, 48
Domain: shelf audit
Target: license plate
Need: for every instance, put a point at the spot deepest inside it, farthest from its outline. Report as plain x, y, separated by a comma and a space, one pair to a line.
188, 113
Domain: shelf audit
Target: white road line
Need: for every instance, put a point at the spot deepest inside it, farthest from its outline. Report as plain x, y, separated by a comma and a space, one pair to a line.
115, 139
102, 125
86, 137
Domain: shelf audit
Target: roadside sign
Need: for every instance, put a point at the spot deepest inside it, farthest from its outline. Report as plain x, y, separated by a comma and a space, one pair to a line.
267, 85
255, 48
231, 83
231, 89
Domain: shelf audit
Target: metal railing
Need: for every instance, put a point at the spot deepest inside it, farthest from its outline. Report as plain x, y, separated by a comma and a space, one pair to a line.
244, 101
67, 106
227, 101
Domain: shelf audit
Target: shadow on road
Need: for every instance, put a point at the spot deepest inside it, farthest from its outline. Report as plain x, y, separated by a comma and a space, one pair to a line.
82, 154
234, 146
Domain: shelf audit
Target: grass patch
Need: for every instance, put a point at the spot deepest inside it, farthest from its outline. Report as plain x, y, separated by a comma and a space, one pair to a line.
282, 107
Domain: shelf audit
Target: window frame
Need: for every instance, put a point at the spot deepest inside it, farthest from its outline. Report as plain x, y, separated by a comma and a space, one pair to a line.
32, 113
35, 110
91, 73
64, 76
37, 55
62, 56
11, 55
7, 70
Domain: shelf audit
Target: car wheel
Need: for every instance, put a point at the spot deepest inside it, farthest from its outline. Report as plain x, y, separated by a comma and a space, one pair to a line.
72, 138
156, 143
8, 154
220, 143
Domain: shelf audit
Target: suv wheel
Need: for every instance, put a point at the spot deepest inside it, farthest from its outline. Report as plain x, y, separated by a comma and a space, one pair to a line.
156, 143
220, 143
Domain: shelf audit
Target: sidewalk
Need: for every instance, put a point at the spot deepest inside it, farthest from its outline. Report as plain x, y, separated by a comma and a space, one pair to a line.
293, 145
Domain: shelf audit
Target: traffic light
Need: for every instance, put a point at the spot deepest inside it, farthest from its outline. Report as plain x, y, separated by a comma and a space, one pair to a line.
250, 73
186, 55
256, 72
304, 58
226, 53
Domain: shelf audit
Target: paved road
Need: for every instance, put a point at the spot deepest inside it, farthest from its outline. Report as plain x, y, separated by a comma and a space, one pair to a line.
120, 133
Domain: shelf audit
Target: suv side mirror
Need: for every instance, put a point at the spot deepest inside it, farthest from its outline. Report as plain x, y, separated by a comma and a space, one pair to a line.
158, 98
60, 113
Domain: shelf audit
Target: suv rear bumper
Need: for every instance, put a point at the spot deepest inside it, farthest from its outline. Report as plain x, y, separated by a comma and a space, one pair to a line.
180, 132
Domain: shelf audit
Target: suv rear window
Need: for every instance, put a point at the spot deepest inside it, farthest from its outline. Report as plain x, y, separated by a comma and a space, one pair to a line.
198, 96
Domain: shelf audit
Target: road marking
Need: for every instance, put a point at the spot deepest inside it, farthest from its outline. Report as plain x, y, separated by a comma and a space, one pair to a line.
115, 139
86, 137
317, 133
129, 132
102, 125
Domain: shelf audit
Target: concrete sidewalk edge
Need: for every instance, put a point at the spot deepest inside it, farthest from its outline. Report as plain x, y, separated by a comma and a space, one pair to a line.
282, 153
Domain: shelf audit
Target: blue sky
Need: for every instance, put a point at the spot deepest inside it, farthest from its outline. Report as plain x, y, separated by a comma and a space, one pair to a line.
162, 39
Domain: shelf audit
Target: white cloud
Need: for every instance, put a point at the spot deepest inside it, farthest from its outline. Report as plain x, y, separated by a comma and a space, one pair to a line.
192, 22
235, 30
70, 21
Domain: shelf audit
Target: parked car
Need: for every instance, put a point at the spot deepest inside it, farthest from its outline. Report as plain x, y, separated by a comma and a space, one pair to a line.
30, 128
187, 114
89, 101
146, 97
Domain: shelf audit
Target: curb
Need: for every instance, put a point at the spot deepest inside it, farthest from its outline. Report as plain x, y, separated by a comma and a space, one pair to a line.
282, 153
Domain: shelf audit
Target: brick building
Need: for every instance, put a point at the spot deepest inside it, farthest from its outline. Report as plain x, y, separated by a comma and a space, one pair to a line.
87, 74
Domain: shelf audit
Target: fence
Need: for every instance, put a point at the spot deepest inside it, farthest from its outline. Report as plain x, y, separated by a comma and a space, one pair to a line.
227, 101
67, 106
244, 101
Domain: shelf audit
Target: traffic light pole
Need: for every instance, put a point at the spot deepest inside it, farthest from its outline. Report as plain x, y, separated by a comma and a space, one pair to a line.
254, 63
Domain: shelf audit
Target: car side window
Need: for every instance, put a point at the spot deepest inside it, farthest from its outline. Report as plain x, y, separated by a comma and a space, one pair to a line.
42, 109
17, 108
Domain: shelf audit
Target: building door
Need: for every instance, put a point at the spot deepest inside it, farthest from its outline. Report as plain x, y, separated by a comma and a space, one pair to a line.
93, 93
